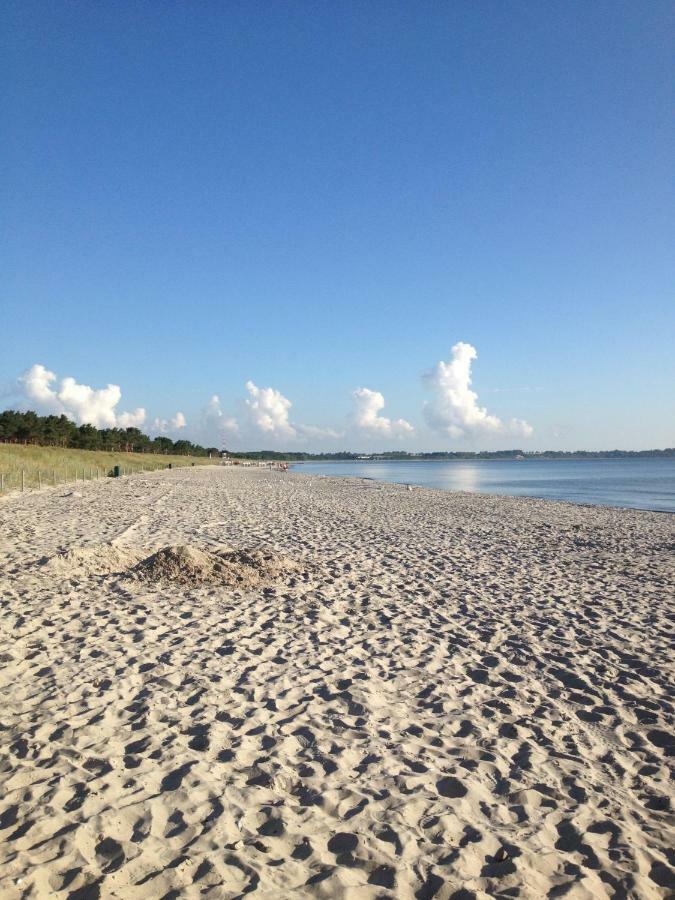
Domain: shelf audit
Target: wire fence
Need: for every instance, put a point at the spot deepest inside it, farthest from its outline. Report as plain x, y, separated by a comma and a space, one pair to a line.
31, 479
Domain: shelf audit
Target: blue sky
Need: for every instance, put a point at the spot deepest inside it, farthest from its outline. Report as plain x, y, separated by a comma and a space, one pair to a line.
322, 198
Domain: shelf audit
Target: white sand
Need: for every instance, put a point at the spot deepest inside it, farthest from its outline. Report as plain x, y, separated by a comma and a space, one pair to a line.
451, 696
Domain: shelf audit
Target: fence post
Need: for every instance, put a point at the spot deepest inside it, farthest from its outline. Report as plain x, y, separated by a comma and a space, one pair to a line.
39, 480
2, 482
23, 481
54, 477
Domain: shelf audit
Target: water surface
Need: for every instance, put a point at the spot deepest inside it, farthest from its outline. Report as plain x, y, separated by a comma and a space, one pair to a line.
638, 483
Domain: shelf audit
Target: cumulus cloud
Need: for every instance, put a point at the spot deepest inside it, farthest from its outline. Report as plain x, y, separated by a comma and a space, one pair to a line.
36, 384
80, 402
268, 411
455, 411
366, 415
216, 424
164, 426
265, 415
131, 419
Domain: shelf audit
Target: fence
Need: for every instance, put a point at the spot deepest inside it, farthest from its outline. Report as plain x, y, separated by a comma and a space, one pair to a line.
36, 478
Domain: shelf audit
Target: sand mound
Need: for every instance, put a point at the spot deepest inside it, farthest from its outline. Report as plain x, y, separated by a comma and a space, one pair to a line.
99, 559
182, 564
235, 568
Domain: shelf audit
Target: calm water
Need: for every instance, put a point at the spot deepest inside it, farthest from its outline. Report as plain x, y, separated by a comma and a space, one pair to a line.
637, 483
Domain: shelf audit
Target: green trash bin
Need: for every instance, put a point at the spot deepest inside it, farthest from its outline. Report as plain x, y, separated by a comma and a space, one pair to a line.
116, 471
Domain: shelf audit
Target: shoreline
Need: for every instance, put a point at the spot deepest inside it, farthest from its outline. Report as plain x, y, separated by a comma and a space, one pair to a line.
76, 486
416, 486
432, 692
486, 495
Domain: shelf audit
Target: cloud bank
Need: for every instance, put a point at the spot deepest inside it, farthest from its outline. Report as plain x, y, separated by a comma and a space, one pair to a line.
264, 414
167, 426
80, 402
455, 411
266, 417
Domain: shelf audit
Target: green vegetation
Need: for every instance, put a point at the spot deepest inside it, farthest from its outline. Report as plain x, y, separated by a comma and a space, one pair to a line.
52, 450
48, 466
60, 431
36, 451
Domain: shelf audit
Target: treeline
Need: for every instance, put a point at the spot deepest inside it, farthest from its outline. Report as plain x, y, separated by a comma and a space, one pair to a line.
277, 455
527, 454
60, 431
599, 454
347, 455
344, 455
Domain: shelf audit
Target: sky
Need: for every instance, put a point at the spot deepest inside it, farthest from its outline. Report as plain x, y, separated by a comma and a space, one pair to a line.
358, 226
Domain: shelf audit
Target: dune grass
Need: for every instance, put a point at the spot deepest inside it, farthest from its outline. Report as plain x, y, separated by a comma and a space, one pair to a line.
49, 466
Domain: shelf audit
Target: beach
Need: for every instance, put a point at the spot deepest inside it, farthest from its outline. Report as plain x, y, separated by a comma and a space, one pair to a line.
332, 688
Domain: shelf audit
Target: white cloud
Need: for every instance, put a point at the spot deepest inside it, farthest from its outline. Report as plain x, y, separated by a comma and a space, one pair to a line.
163, 426
35, 383
366, 415
316, 433
133, 419
215, 424
79, 402
455, 411
268, 411
265, 415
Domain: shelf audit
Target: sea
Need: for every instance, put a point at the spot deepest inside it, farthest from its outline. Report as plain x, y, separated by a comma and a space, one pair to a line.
638, 483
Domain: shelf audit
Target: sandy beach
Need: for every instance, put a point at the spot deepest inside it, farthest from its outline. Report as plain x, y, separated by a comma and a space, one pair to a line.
332, 688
